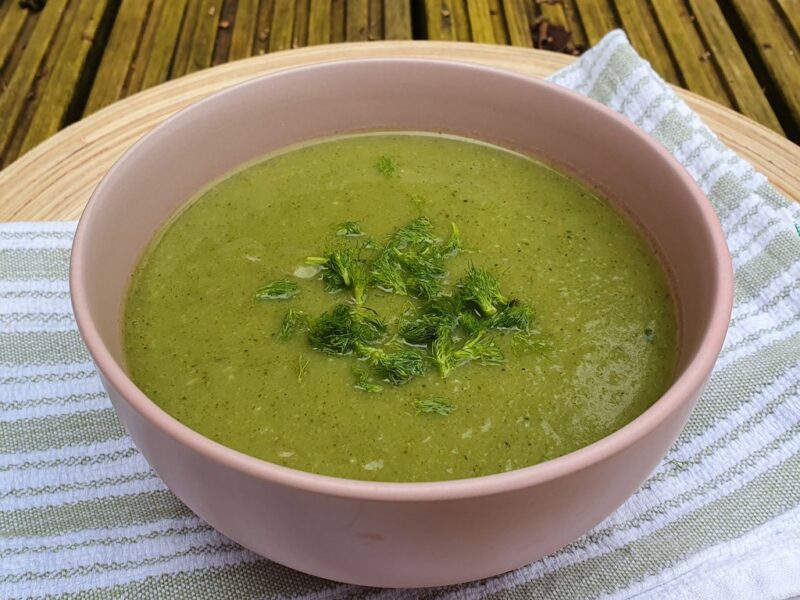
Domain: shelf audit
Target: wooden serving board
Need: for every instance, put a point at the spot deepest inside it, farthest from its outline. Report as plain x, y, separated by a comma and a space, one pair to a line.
55, 179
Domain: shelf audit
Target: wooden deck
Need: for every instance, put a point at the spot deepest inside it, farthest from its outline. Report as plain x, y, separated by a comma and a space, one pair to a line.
77, 56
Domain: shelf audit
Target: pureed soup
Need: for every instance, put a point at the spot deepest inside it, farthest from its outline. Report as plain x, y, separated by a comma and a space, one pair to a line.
401, 307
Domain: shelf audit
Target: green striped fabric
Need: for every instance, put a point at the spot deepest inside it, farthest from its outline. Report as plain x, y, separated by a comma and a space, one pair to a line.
82, 514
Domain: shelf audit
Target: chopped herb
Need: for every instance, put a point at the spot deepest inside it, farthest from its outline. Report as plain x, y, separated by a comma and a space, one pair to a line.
424, 273
339, 331
649, 335
411, 262
397, 367
350, 229
386, 273
447, 327
480, 348
471, 323
343, 268
453, 245
513, 316
426, 328
282, 289
481, 288
442, 350
385, 165
418, 233
528, 342
433, 405
295, 320
302, 370
364, 382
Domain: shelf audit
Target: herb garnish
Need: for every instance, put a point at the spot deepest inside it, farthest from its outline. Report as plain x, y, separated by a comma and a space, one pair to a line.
295, 320
444, 328
434, 405
344, 328
364, 382
385, 165
277, 290
349, 229
343, 268
302, 367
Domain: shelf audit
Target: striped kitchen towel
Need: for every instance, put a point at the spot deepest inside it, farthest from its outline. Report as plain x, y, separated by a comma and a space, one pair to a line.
82, 514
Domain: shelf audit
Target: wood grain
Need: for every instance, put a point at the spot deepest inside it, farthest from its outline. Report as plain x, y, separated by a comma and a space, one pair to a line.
319, 22
357, 20
54, 180
375, 22
244, 29
693, 58
64, 82
597, 17
439, 20
519, 26
738, 77
396, 19
12, 20
642, 29
480, 21
109, 84
280, 36
13, 98
777, 48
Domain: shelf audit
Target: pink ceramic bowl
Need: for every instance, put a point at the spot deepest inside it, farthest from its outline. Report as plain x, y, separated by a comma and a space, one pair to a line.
400, 534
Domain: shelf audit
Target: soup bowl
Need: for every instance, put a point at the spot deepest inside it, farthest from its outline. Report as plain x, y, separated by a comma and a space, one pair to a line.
401, 534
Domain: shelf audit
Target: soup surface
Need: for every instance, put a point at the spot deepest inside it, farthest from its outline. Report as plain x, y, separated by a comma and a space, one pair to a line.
200, 346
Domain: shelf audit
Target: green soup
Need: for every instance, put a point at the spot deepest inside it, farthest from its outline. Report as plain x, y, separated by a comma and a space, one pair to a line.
200, 346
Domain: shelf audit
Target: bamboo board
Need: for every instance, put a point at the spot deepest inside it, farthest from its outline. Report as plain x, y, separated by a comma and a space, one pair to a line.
54, 180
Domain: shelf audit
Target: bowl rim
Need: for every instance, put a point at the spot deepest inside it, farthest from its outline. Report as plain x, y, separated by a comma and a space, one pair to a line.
687, 384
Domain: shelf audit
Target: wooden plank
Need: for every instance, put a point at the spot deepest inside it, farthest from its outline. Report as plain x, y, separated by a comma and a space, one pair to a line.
158, 46
697, 71
597, 17
737, 76
575, 25
118, 55
357, 20
183, 48
461, 23
12, 22
778, 51
397, 19
244, 29
282, 29
642, 29
34, 97
224, 33
301, 14
519, 26
791, 12
204, 36
375, 20
319, 22
337, 21
439, 20
13, 97
266, 9
480, 21
498, 22
63, 85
